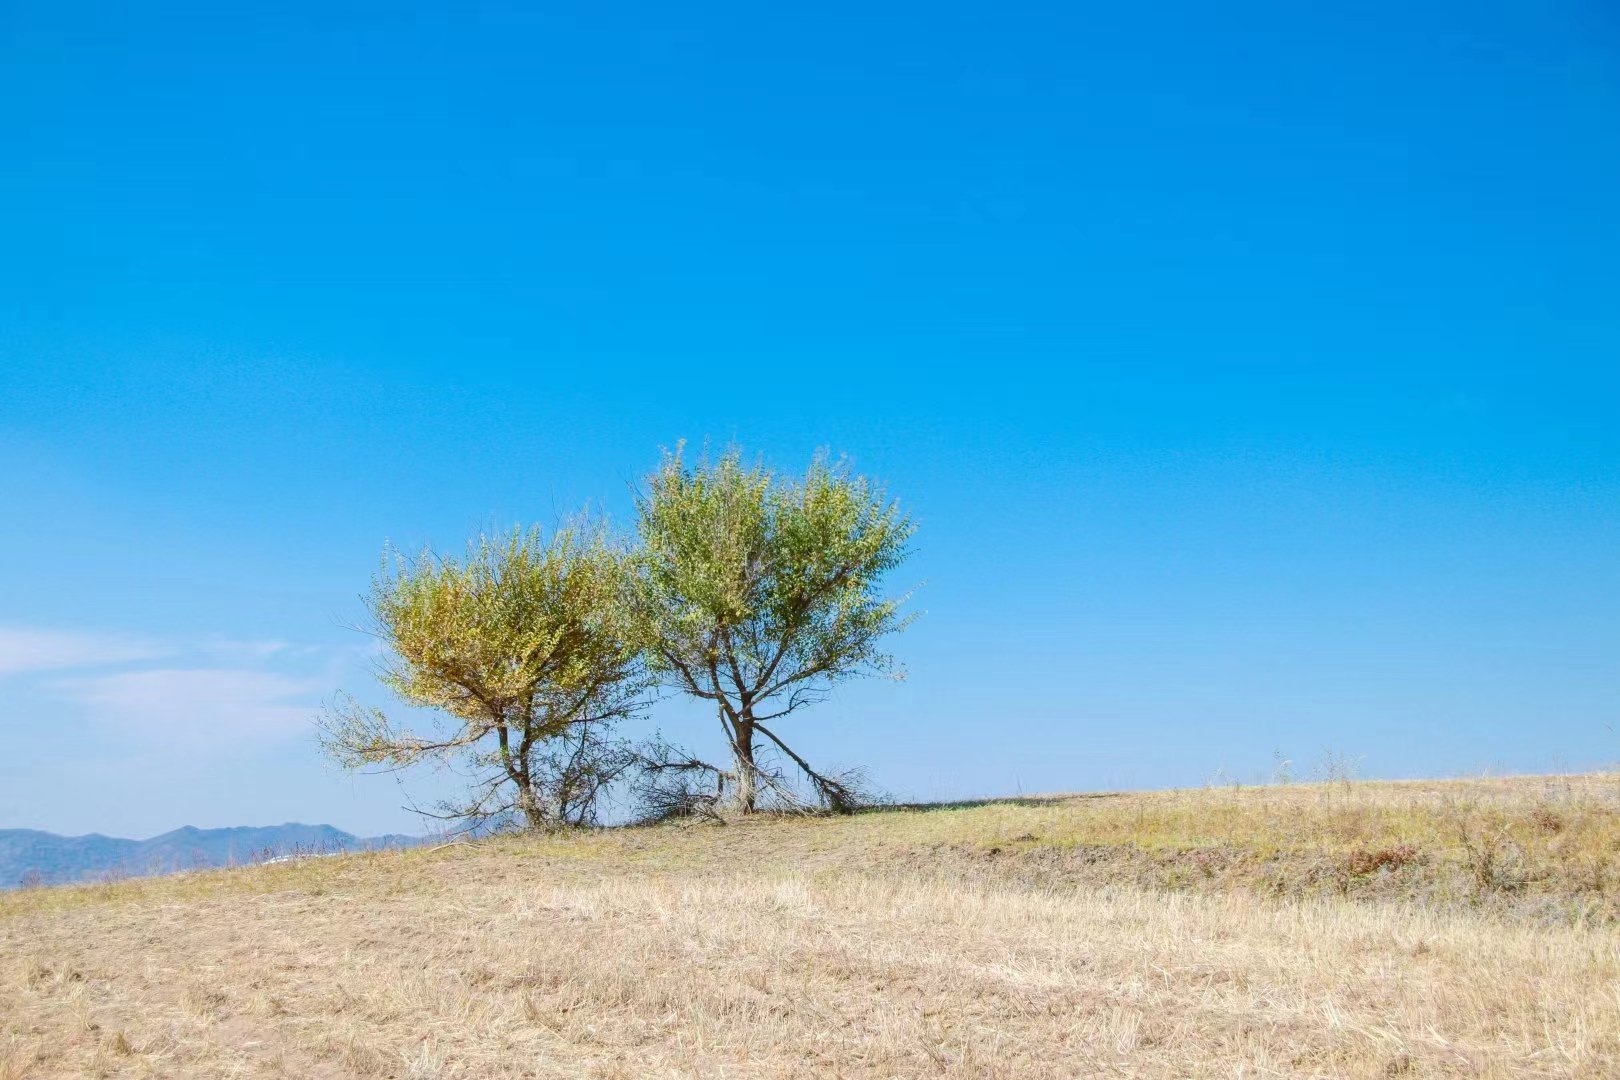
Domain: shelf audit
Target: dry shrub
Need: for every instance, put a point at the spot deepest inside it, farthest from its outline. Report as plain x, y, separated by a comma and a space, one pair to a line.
1362, 863
1548, 820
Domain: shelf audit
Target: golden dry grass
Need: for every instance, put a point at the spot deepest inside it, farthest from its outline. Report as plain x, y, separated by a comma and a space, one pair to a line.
1208, 933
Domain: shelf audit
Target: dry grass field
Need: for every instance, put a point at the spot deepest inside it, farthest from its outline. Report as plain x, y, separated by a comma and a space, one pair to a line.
1466, 928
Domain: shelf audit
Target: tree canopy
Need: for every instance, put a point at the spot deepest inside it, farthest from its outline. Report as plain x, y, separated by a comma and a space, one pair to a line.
758, 592
749, 589
526, 644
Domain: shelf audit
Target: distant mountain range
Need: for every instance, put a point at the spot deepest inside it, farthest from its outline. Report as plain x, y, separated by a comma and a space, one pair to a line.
30, 857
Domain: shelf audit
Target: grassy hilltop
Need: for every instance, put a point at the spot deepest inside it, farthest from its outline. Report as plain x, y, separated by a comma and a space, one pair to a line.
1467, 928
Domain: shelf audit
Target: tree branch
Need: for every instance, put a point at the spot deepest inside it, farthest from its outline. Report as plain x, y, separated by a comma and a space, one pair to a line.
834, 793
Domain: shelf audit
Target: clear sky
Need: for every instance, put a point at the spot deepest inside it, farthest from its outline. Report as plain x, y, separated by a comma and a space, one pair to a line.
1253, 370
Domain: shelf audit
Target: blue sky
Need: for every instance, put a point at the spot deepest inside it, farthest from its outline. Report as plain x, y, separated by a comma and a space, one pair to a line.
1253, 371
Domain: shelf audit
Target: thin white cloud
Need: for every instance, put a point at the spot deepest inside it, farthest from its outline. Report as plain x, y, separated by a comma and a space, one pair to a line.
245, 652
207, 694
204, 708
25, 650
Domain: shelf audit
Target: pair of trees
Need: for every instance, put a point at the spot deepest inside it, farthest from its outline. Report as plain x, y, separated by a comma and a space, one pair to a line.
748, 590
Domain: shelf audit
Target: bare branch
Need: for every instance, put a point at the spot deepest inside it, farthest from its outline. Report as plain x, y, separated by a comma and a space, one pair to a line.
835, 792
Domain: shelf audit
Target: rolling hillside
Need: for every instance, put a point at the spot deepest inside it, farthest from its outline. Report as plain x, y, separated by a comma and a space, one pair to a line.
1461, 928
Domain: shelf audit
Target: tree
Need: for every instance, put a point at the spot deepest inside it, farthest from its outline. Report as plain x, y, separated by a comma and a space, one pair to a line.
758, 593
526, 646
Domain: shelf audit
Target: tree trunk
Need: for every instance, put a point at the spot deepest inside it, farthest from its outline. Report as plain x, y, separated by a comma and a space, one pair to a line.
517, 770
747, 779
534, 813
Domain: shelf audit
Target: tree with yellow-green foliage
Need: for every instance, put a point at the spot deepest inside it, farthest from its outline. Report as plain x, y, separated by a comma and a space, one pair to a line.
526, 647
757, 592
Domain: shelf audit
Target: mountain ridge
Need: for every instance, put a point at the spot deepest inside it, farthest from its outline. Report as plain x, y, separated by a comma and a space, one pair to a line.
34, 856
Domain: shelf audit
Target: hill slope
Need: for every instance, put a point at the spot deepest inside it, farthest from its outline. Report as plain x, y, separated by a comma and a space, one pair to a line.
60, 859
1462, 928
